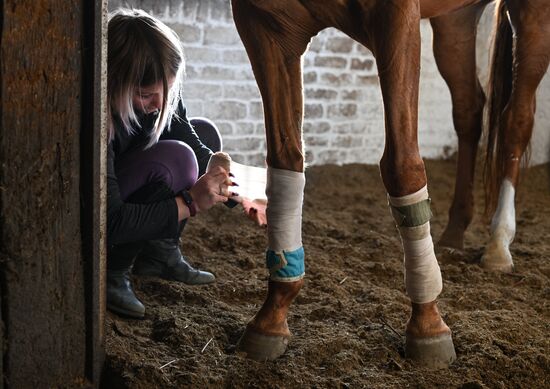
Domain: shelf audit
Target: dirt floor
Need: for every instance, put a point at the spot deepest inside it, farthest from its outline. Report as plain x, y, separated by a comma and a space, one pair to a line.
349, 319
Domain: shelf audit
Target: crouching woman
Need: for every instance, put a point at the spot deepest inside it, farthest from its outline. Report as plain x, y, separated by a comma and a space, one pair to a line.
155, 159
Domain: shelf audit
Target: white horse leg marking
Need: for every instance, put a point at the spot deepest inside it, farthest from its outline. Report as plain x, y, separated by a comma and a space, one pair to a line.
503, 228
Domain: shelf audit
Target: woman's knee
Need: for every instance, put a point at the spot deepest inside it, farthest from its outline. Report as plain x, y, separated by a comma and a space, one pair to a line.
169, 161
177, 163
208, 133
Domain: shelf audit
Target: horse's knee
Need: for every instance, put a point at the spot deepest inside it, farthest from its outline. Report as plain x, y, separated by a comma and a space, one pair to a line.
403, 174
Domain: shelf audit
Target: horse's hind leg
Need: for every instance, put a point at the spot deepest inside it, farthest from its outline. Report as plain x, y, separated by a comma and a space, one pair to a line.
275, 38
531, 21
454, 46
397, 50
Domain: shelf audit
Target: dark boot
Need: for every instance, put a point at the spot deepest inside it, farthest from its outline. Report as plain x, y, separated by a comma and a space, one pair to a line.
163, 258
120, 295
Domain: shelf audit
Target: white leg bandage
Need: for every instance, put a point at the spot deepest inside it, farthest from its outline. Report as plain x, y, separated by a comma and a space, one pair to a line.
285, 254
422, 274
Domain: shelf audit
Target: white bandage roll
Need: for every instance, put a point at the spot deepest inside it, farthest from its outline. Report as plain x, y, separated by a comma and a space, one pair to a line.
219, 159
285, 194
423, 281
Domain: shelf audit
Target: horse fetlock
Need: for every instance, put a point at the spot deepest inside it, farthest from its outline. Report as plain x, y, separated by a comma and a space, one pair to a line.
270, 324
452, 237
460, 216
503, 235
281, 294
267, 335
271, 318
425, 321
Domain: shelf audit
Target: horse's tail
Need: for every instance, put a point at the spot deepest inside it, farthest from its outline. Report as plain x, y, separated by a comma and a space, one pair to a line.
498, 90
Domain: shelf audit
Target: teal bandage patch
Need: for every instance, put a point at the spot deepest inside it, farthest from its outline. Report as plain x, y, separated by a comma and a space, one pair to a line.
412, 215
285, 265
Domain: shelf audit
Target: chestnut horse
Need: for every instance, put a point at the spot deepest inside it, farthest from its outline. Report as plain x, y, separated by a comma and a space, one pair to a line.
276, 35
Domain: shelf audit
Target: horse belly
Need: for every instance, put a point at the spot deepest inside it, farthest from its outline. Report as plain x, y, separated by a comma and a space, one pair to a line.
433, 8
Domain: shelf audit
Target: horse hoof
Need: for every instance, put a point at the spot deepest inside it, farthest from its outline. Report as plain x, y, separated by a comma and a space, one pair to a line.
497, 260
435, 352
262, 347
504, 267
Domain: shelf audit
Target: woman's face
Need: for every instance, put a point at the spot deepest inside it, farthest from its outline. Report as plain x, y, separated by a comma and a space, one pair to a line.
148, 98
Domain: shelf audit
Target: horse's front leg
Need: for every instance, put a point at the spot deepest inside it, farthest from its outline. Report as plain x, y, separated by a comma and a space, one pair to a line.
275, 44
396, 45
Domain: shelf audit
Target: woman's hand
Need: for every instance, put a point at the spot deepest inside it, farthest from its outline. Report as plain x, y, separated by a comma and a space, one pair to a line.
255, 210
211, 188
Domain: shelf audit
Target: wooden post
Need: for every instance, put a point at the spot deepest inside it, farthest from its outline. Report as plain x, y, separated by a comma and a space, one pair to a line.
52, 193
93, 170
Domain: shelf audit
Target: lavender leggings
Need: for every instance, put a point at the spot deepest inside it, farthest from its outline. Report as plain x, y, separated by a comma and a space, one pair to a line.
171, 162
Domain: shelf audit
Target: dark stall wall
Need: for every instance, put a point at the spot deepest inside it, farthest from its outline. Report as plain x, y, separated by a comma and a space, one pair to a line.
1, 340
2, 281
43, 304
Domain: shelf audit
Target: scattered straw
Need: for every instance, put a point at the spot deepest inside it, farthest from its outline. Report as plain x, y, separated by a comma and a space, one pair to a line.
167, 364
384, 322
206, 345
344, 280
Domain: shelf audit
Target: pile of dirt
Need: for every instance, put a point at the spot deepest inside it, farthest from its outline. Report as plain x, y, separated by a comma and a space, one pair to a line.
349, 318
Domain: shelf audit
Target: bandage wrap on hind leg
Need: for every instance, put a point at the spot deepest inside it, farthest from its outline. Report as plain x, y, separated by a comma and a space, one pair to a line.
412, 215
285, 254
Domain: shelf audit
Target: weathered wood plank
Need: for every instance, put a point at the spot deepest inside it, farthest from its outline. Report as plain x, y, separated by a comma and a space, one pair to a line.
43, 300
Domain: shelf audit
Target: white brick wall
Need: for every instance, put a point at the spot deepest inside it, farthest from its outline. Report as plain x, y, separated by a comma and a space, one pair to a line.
343, 105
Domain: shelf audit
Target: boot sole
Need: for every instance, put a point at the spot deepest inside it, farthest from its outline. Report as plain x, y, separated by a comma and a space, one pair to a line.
169, 277
125, 312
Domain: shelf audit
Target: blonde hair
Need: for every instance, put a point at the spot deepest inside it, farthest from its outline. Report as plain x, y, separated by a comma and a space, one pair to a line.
142, 51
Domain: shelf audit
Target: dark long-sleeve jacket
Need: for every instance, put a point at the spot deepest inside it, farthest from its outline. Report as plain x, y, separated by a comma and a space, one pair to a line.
127, 222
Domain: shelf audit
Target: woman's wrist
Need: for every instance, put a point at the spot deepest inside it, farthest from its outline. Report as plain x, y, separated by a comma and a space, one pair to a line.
183, 210
189, 201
